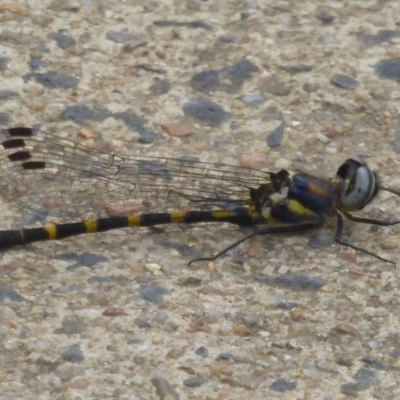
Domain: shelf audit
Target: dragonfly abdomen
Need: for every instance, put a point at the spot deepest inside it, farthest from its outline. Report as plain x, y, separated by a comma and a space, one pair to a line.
12, 238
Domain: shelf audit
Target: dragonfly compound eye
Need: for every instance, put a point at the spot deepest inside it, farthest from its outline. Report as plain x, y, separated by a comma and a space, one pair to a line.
360, 184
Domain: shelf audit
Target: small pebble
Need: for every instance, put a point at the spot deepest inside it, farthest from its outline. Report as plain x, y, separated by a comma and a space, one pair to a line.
253, 99
202, 352
176, 353
80, 383
152, 267
347, 329
344, 81
373, 344
388, 243
254, 160
250, 320
194, 381
114, 312
241, 330
164, 390
227, 38
325, 17
156, 339
282, 385
178, 129
282, 163
161, 317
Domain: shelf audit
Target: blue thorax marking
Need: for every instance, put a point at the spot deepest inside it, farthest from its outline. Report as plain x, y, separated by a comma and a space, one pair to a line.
303, 190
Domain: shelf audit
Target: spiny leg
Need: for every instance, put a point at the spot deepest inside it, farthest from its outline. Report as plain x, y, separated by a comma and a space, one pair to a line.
369, 220
339, 232
270, 230
225, 250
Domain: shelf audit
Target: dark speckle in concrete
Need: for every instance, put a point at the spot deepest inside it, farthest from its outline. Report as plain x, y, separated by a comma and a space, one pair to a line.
236, 359
364, 378
153, 293
236, 74
9, 294
36, 63
202, 351
376, 364
100, 279
206, 81
142, 323
160, 87
193, 5
149, 68
66, 372
8, 36
344, 81
164, 389
345, 362
206, 111
71, 326
274, 138
296, 282
239, 72
119, 37
4, 61
72, 9
5, 119
85, 38
227, 38
388, 69
63, 41
311, 87
395, 354
325, 17
194, 381
191, 24
139, 125
276, 87
53, 80
72, 353
80, 260
183, 248
296, 69
8, 95
80, 114
396, 142
383, 36
282, 385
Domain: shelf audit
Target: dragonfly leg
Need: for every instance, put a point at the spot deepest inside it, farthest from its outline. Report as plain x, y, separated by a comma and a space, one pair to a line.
339, 232
266, 231
225, 250
369, 220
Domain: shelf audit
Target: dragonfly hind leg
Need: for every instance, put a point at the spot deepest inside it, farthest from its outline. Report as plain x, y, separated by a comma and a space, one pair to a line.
339, 232
305, 226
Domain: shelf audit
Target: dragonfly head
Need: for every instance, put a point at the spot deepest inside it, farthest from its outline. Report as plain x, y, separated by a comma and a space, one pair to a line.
360, 184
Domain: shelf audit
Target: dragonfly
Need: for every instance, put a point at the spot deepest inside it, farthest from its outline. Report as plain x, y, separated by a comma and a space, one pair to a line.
97, 191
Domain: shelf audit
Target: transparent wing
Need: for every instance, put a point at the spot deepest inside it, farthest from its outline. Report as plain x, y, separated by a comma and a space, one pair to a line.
66, 180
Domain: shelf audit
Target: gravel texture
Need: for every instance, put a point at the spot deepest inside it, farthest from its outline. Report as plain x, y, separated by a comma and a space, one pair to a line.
268, 84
